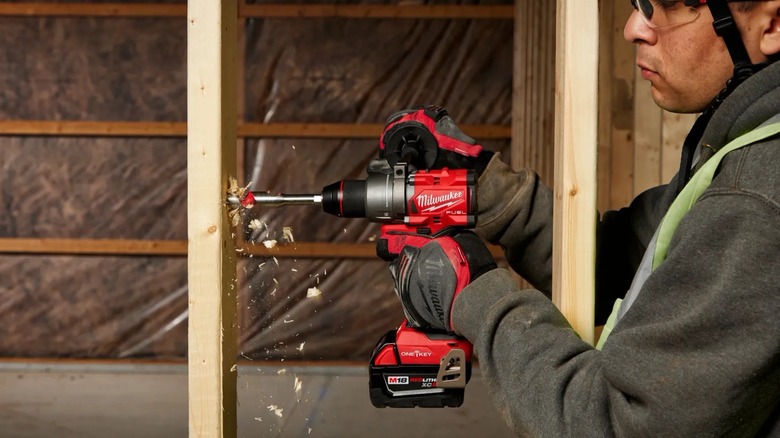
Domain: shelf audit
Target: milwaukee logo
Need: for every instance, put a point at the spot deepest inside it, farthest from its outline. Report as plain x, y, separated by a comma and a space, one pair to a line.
437, 202
397, 380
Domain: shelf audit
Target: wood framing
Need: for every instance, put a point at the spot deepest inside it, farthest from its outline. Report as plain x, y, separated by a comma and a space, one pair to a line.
261, 10
647, 138
533, 102
574, 216
378, 11
76, 9
211, 160
82, 246
179, 129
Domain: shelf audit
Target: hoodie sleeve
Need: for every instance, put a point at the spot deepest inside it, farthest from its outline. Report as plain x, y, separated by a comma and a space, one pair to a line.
696, 355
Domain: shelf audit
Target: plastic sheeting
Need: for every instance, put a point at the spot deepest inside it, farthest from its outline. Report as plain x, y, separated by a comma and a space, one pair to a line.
313, 70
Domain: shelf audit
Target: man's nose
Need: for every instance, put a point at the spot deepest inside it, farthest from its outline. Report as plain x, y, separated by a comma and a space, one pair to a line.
637, 30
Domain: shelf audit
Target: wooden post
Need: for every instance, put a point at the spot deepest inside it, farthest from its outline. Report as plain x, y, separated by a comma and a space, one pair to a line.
574, 216
211, 159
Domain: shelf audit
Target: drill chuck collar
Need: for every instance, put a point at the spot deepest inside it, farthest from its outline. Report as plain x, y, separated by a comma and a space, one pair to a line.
380, 198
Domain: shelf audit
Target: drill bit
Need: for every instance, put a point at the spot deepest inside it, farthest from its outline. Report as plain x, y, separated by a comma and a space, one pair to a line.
269, 200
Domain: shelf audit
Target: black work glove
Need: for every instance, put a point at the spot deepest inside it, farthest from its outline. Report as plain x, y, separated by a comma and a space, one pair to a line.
427, 279
436, 141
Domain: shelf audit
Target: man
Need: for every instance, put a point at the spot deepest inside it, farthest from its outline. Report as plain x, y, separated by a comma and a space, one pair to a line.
695, 348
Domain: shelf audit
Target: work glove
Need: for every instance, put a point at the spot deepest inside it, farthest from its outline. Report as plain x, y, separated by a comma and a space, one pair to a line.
436, 141
428, 278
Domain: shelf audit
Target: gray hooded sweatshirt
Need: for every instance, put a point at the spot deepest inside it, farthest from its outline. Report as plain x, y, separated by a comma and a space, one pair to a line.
697, 353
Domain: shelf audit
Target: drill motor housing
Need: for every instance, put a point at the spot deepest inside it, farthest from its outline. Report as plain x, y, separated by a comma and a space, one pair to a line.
410, 205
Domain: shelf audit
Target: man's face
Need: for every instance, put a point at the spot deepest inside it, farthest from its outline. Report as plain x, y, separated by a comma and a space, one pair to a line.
686, 64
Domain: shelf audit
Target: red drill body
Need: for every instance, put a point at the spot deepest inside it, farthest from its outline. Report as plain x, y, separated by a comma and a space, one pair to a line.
409, 366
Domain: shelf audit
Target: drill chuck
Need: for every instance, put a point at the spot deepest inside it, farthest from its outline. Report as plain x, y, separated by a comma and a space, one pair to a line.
381, 197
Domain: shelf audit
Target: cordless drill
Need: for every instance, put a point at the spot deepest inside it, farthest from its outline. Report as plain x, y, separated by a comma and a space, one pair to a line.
409, 366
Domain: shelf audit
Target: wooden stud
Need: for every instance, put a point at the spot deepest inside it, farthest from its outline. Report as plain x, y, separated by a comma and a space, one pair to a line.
675, 129
378, 11
80, 9
179, 129
533, 87
211, 160
533, 90
93, 247
621, 150
178, 248
75, 9
606, 48
647, 138
574, 214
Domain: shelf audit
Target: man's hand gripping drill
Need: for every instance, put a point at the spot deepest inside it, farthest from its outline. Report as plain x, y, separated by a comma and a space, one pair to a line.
422, 190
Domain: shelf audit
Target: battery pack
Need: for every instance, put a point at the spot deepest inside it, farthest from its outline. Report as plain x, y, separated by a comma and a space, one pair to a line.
418, 375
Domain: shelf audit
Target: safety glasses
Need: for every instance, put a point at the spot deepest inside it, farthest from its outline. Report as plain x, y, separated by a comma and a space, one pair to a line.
665, 13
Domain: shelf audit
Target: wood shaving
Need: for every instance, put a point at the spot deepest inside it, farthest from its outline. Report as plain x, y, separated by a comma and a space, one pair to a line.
276, 410
275, 261
234, 213
233, 368
294, 270
287, 233
313, 292
261, 420
371, 238
297, 386
287, 321
282, 371
300, 347
270, 243
257, 224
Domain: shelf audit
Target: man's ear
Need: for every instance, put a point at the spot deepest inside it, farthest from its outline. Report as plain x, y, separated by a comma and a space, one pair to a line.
770, 21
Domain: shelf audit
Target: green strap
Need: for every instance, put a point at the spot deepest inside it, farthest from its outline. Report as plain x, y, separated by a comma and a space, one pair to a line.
698, 184
611, 321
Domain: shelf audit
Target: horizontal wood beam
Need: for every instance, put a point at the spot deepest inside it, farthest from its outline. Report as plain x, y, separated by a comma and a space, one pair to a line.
177, 248
93, 128
51, 9
74, 9
245, 130
130, 247
377, 11
93, 247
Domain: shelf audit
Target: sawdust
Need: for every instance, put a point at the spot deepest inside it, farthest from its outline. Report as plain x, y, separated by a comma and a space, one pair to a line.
313, 292
287, 234
276, 410
300, 347
270, 243
234, 212
298, 386
282, 372
257, 224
